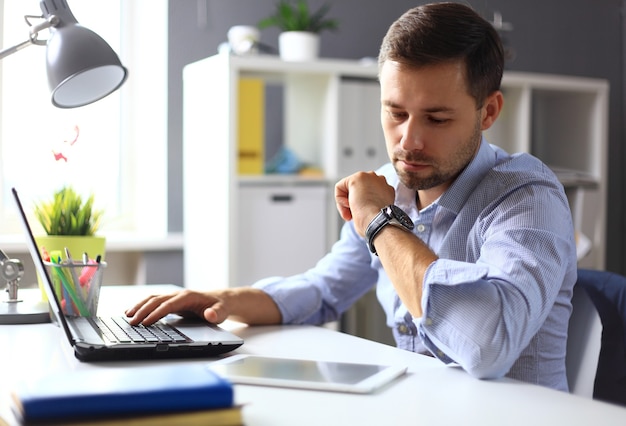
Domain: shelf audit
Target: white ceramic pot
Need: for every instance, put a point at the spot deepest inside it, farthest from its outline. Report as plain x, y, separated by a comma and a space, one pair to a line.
298, 46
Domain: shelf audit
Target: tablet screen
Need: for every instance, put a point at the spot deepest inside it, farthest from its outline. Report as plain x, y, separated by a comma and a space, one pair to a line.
307, 374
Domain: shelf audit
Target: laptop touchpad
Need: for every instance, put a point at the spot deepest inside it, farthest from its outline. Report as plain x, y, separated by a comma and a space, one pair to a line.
200, 330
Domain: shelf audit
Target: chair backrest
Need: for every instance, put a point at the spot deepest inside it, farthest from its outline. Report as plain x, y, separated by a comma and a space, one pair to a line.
583, 344
607, 292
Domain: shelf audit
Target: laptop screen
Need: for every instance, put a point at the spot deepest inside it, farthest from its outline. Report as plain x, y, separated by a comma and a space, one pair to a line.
55, 306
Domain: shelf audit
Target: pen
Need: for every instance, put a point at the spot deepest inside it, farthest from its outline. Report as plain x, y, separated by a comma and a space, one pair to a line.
52, 258
92, 297
71, 266
44, 254
87, 272
69, 306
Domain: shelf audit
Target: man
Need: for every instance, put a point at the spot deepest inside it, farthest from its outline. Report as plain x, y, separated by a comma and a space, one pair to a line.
484, 277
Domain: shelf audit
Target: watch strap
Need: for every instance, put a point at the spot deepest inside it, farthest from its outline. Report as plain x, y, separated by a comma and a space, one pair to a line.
386, 216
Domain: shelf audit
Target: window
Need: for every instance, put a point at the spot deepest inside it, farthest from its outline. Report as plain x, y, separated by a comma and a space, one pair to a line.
116, 147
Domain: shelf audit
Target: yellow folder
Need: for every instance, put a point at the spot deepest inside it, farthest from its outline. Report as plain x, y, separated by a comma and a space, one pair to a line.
251, 127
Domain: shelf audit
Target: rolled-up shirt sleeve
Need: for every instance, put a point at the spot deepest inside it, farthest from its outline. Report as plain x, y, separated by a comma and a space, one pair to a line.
482, 314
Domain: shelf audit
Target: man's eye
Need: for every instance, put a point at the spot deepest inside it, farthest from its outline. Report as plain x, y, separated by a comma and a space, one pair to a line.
396, 115
436, 120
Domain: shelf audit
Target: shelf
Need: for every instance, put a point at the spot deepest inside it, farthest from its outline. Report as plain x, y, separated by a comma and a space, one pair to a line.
268, 66
281, 179
575, 179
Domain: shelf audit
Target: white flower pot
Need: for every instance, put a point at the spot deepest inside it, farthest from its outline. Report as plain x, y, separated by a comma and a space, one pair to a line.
298, 46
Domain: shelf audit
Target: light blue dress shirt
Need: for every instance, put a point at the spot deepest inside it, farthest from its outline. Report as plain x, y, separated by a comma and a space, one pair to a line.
497, 301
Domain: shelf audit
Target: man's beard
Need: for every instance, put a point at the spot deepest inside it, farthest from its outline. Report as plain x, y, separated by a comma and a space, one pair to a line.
442, 172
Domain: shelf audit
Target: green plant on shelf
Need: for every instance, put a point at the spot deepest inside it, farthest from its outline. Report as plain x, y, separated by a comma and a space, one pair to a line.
297, 16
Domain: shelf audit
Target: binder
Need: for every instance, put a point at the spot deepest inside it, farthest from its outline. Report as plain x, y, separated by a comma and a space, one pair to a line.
361, 142
251, 127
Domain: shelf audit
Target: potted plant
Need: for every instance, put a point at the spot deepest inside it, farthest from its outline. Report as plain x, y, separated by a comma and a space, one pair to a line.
299, 39
70, 222
68, 214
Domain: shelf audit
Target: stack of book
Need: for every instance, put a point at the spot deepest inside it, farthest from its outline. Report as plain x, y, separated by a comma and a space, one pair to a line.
175, 394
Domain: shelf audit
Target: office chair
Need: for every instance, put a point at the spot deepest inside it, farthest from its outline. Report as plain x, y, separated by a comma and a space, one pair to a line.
607, 292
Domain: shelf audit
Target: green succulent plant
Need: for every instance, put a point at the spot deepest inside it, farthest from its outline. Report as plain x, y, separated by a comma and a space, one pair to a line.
296, 16
67, 214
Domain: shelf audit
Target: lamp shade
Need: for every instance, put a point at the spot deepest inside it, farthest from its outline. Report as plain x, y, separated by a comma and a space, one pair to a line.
82, 67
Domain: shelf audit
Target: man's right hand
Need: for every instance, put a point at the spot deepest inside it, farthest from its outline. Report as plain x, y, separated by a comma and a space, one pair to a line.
243, 304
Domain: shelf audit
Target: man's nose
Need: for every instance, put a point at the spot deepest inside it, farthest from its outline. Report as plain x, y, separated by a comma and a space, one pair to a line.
412, 136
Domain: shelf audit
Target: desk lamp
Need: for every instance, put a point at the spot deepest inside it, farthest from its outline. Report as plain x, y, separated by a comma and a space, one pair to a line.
82, 68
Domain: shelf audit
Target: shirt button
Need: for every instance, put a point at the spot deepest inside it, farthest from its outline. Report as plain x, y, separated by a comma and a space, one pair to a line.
429, 321
403, 329
421, 228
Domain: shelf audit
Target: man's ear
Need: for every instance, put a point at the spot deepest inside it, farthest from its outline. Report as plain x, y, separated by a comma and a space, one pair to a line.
491, 109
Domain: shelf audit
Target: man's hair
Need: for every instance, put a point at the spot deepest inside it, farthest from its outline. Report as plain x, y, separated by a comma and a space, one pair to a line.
445, 32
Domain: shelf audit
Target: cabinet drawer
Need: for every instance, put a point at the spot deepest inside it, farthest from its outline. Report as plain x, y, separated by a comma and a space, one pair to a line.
282, 230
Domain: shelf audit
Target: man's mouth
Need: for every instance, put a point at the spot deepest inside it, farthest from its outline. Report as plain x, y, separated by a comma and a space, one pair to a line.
413, 166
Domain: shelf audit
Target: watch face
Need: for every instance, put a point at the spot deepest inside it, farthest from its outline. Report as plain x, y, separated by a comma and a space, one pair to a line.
401, 216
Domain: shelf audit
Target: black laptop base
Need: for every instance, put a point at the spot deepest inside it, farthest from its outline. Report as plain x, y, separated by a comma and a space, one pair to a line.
84, 352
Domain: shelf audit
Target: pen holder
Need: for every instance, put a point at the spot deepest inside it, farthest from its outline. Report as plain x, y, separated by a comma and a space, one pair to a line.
77, 286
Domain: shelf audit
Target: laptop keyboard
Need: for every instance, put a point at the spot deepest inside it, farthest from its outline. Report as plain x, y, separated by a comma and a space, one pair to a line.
117, 329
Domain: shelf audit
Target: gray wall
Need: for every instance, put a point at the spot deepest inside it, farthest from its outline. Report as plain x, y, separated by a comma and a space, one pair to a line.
577, 37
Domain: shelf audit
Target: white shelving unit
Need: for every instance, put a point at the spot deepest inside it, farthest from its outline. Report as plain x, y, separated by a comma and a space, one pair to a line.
233, 235
251, 236
563, 120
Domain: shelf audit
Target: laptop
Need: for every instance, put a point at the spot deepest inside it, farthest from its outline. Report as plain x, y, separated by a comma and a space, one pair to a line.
112, 338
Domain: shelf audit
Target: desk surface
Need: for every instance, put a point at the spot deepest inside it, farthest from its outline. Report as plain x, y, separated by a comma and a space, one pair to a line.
431, 393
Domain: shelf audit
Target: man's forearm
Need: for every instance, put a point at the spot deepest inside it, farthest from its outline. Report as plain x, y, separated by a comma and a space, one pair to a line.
405, 259
252, 306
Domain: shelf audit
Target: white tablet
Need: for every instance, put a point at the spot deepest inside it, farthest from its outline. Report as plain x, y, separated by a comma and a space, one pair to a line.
305, 374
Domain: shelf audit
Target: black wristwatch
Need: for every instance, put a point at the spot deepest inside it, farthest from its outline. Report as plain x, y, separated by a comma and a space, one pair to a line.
390, 215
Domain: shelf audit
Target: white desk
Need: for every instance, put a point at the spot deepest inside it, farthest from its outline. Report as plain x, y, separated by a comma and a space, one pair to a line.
431, 393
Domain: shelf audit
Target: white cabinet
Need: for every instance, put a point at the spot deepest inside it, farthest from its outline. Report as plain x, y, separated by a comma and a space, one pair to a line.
331, 121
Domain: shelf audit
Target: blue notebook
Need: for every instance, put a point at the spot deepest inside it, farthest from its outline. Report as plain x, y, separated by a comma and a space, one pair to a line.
112, 392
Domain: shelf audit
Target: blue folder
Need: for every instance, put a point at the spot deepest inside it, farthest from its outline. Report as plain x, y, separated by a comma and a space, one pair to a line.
116, 391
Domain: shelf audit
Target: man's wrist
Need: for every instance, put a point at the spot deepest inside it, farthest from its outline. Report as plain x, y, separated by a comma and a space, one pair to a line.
390, 215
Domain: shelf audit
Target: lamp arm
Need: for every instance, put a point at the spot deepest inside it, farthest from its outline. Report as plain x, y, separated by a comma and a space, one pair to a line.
14, 49
51, 21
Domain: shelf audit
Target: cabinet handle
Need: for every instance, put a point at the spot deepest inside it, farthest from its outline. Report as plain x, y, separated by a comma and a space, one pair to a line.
282, 198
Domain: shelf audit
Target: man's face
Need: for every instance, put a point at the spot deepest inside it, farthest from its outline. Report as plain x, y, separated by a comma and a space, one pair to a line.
432, 125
